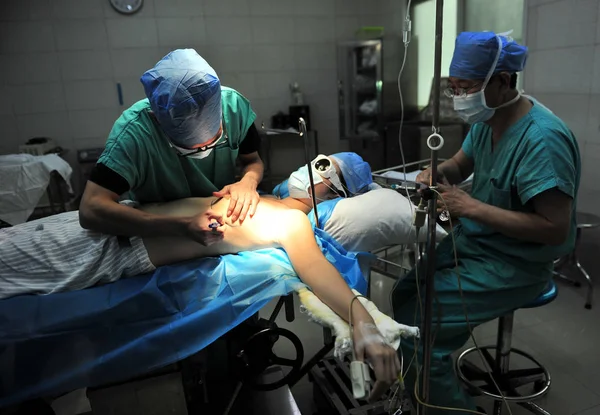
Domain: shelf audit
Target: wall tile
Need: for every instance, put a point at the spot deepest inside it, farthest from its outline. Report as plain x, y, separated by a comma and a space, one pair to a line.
19, 69
181, 32
229, 31
134, 33
572, 109
6, 106
13, 10
348, 7
317, 81
596, 71
243, 82
37, 98
589, 173
226, 7
315, 56
83, 95
83, 34
38, 9
178, 8
274, 85
314, 8
271, 30
273, 57
230, 58
533, 3
593, 121
92, 123
131, 63
53, 125
80, 65
346, 27
566, 23
271, 7
575, 62
313, 30
77, 9
597, 26
132, 91
10, 135
23, 37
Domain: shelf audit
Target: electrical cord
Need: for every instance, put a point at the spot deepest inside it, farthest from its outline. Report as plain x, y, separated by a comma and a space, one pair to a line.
464, 304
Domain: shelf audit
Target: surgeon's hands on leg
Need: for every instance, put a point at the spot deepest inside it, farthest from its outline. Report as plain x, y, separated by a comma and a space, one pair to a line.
243, 199
206, 228
370, 346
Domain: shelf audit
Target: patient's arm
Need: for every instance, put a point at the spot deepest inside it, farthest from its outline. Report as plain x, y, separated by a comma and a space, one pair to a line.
275, 225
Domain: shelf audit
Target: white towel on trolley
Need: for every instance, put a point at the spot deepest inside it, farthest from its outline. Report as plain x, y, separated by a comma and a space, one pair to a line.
24, 179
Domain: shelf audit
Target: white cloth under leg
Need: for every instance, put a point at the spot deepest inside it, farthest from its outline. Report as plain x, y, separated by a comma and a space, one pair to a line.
320, 313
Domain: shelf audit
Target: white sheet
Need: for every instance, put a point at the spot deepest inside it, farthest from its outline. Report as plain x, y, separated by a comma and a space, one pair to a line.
410, 176
374, 220
23, 180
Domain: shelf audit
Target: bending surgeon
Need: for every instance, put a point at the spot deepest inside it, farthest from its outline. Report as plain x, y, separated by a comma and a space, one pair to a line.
183, 140
519, 217
56, 254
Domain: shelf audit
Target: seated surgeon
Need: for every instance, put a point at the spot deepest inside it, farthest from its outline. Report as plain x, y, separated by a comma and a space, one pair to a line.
519, 217
56, 254
184, 140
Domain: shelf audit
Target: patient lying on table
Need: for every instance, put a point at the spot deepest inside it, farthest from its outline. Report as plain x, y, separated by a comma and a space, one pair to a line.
55, 254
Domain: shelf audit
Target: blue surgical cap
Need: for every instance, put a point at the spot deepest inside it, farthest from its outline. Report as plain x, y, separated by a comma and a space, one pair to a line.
185, 96
475, 52
356, 171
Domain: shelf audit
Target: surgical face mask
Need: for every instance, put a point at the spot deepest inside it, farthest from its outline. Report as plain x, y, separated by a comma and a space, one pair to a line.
299, 183
472, 108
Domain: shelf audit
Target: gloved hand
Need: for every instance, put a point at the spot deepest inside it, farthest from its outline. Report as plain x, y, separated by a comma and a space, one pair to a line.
200, 230
370, 346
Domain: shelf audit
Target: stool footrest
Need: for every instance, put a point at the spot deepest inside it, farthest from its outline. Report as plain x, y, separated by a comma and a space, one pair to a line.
481, 382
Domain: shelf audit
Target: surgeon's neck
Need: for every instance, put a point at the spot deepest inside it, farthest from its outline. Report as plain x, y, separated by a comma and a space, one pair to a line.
505, 117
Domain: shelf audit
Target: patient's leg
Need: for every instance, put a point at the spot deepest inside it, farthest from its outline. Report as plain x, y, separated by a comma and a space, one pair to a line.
257, 232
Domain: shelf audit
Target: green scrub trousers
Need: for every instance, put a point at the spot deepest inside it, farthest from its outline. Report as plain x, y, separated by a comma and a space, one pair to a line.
498, 274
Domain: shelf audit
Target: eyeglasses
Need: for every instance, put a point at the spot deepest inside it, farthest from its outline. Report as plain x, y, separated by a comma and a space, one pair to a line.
220, 142
452, 92
326, 169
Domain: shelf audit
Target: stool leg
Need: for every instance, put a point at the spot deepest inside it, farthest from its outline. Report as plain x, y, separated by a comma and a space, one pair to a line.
503, 346
575, 261
590, 292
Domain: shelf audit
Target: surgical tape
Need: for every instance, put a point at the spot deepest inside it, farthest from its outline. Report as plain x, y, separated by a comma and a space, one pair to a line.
317, 311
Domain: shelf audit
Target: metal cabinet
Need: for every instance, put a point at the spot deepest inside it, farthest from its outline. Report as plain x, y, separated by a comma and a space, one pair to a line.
360, 102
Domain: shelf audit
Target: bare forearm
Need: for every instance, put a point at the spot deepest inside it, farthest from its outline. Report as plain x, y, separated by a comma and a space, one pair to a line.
451, 171
529, 227
116, 219
253, 172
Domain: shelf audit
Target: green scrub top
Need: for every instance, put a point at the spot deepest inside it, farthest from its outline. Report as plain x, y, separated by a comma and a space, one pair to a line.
536, 154
139, 151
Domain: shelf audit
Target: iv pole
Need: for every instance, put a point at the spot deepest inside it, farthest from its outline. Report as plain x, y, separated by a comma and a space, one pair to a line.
302, 132
435, 143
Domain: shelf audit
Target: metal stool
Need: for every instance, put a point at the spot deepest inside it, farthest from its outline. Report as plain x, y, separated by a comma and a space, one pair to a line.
479, 381
584, 221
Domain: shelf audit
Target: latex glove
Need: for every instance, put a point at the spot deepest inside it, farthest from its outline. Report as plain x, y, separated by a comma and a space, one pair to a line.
370, 346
